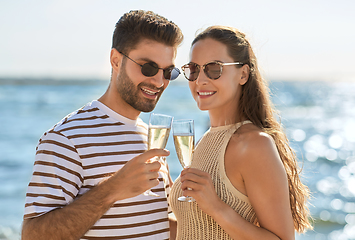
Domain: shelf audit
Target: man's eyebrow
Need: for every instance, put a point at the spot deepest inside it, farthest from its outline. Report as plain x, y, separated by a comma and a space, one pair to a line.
145, 59
150, 60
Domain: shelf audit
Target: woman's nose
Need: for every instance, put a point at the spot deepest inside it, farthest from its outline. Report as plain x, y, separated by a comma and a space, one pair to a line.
202, 79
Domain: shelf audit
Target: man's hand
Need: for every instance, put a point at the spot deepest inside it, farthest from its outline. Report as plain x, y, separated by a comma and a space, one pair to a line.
137, 175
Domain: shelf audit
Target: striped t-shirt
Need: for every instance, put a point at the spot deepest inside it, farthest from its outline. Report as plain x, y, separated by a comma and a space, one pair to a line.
80, 151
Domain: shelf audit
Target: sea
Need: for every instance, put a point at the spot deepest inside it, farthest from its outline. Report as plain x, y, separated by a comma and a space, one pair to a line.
318, 118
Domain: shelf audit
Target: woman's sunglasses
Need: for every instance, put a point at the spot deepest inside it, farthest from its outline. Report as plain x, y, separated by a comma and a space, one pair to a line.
150, 69
213, 70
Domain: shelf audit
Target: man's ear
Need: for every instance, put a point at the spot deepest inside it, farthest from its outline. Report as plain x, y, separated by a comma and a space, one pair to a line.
245, 74
115, 59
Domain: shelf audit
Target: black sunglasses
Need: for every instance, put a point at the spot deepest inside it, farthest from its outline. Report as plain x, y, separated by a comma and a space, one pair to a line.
150, 69
213, 70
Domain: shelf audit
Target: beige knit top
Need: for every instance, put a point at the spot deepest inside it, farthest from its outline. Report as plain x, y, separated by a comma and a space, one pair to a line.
193, 223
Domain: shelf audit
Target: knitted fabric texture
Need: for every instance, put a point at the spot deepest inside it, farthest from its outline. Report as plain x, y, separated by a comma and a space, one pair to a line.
193, 223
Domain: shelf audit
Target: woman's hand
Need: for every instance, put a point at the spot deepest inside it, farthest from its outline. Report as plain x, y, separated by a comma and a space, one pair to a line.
198, 184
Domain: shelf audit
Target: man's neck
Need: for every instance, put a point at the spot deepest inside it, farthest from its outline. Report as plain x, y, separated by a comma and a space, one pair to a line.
117, 104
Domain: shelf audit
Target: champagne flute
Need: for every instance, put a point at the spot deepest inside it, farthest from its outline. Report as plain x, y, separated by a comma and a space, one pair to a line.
183, 132
158, 134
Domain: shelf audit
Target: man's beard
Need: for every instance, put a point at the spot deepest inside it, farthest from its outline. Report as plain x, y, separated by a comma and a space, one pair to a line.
132, 94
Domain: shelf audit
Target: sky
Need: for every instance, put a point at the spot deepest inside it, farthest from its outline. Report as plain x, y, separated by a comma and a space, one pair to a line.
293, 40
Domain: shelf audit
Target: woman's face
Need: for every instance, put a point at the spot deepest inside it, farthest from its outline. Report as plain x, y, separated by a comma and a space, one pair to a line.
218, 96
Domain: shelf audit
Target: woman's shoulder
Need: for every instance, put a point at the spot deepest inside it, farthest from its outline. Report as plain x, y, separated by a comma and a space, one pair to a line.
251, 144
249, 137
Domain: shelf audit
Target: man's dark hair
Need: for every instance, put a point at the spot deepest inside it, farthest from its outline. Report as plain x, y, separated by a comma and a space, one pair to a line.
138, 24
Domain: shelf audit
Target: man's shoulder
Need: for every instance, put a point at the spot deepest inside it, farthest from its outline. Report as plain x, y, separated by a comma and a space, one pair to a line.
78, 117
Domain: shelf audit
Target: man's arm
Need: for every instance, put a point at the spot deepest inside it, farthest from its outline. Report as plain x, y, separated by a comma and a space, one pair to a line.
76, 218
71, 221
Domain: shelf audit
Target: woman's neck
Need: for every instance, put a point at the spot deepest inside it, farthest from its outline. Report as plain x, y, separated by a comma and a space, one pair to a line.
219, 119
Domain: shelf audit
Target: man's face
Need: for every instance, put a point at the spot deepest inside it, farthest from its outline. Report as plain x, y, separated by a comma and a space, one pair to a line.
140, 92
131, 93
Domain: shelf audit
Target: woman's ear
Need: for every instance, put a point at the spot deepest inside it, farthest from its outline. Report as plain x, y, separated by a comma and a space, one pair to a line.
245, 74
115, 59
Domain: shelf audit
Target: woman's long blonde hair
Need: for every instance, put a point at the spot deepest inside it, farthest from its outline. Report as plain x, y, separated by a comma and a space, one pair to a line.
256, 106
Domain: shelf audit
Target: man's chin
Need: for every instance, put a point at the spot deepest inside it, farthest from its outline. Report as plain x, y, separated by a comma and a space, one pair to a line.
144, 104
146, 108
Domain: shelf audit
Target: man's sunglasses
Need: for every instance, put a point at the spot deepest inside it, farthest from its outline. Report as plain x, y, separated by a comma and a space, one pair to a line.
213, 70
150, 69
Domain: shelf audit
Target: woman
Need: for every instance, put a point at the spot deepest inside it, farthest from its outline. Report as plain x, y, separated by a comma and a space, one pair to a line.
244, 175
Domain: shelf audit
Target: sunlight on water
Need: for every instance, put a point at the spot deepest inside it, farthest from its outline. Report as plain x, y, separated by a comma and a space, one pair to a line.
319, 119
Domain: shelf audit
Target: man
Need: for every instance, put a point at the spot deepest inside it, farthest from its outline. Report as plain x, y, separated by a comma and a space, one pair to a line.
92, 167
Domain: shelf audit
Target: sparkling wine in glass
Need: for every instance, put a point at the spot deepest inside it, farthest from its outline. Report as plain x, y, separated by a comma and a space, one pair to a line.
158, 134
184, 140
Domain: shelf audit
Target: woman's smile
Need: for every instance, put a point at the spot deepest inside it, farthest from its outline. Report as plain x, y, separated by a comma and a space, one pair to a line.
205, 93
